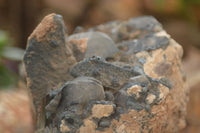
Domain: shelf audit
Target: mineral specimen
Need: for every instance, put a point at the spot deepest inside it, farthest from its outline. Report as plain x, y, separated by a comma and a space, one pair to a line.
128, 78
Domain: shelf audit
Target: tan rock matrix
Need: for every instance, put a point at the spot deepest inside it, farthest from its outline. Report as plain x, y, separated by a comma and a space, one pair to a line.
119, 77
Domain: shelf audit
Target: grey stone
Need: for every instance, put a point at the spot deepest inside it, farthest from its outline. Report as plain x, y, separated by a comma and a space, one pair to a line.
94, 43
110, 75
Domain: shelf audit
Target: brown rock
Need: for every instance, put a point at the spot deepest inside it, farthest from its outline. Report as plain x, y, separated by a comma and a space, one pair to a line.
99, 110
134, 90
15, 113
90, 126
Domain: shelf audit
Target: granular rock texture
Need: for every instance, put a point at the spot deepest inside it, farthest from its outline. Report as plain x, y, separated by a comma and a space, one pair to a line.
128, 81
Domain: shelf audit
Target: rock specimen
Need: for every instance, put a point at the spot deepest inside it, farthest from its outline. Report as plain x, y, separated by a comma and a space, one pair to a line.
132, 84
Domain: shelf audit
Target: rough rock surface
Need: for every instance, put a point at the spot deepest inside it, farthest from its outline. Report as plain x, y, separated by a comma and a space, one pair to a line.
111, 76
140, 88
47, 61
